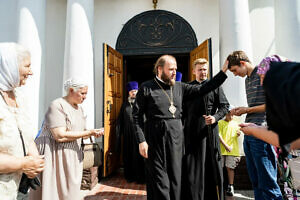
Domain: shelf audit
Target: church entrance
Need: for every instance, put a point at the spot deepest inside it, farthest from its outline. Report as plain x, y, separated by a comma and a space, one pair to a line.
140, 68
153, 33
142, 40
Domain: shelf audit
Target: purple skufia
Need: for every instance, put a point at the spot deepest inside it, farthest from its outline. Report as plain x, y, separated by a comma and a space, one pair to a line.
132, 85
264, 65
178, 76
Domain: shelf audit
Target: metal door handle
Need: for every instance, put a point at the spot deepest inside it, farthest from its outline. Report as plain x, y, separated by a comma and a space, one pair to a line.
109, 107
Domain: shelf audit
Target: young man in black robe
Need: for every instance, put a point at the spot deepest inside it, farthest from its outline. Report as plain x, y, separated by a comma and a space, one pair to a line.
202, 176
160, 100
134, 169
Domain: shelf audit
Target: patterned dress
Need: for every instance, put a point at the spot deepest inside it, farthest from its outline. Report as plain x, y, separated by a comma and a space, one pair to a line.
61, 178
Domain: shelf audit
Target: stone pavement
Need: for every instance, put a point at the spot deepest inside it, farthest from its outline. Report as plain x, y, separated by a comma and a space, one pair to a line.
116, 187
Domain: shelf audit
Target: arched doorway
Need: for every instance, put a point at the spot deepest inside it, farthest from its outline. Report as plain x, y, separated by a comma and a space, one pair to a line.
150, 34
142, 40
156, 32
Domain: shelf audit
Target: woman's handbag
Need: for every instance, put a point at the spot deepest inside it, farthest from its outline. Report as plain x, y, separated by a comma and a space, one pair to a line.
294, 165
26, 182
92, 154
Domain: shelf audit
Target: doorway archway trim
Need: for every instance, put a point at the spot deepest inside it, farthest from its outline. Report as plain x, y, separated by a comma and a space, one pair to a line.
156, 32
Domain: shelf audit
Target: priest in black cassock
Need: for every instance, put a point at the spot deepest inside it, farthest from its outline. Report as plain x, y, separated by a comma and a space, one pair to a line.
160, 137
134, 169
202, 176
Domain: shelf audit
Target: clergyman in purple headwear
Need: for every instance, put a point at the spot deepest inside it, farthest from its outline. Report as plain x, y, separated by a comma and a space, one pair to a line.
132, 160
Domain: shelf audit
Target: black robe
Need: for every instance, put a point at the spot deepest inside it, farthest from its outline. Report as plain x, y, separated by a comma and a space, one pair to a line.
164, 133
134, 169
201, 170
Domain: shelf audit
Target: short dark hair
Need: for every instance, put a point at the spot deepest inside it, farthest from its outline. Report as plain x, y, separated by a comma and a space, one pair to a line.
161, 62
235, 57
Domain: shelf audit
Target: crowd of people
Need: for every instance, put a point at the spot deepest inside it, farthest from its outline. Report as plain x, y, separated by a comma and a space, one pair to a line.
54, 160
175, 136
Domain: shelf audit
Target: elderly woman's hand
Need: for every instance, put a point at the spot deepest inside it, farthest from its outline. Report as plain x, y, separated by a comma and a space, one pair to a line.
33, 165
97, 132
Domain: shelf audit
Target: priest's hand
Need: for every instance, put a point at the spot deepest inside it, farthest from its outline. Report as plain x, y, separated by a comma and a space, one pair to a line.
239, 111
209, 119
143, 148
225, 66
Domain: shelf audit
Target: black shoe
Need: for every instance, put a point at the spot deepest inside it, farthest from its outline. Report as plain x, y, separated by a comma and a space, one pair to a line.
230, 190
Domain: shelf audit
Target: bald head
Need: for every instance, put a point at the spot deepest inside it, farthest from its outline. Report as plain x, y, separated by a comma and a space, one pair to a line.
165, 68
161, 62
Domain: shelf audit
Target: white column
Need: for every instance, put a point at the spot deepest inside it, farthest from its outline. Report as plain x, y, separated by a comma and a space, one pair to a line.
234, 35
287, 28
78, 61
31, 34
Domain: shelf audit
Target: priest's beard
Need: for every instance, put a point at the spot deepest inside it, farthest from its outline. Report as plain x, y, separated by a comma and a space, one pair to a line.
131, 99
167, 80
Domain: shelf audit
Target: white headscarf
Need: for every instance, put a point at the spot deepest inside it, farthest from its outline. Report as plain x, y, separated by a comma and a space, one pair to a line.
9, 69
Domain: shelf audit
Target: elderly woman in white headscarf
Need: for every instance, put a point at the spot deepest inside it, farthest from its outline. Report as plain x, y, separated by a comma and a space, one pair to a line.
60, 143
14, 122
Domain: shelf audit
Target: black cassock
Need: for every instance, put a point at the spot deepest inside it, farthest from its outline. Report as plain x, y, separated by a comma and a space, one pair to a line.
134, 169
202, 161
164, 133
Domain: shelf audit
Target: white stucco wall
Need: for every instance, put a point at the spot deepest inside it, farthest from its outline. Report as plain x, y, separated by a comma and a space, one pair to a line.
55, 45
287, 28
8, 20
262, 20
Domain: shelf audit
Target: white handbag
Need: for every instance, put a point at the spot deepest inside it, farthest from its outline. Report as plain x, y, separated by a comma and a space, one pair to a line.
294, 165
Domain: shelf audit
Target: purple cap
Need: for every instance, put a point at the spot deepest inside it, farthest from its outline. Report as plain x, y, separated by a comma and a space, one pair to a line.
178, 76
132, 85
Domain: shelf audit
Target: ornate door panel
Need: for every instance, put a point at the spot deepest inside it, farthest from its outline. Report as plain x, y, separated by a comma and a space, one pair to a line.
113, 98
202, 51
